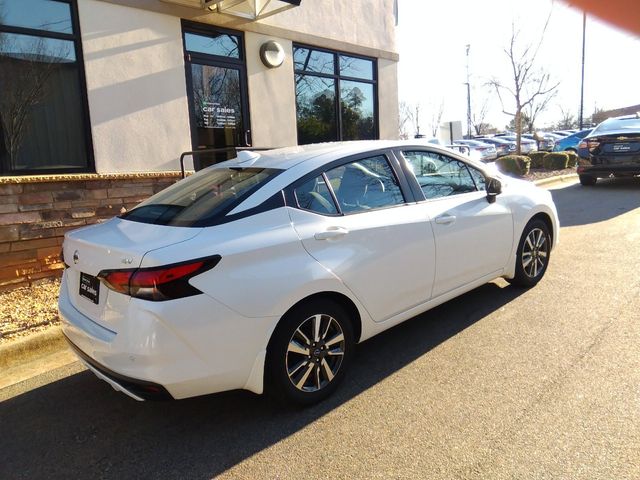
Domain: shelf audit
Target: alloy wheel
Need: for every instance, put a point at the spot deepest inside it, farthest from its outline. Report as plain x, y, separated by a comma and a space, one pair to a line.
535, 252
315, 352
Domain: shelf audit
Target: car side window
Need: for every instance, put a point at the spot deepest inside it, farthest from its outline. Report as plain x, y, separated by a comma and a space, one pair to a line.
314, 196
365, 184
478, 177
440, 175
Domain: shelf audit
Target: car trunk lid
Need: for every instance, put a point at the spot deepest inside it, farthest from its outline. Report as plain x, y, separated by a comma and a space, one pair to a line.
113, 245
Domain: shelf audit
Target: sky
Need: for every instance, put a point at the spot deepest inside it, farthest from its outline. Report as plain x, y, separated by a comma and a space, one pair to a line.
432, 37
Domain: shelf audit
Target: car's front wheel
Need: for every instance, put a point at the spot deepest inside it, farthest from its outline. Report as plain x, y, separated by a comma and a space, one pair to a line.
309, 352
534, 251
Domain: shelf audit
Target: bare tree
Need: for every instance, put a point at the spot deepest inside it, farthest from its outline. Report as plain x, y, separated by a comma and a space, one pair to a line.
478, 117
406, 121
567, 120
529, 83
436, 118
535, 108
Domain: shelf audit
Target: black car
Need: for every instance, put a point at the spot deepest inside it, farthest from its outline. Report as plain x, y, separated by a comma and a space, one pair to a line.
613, 148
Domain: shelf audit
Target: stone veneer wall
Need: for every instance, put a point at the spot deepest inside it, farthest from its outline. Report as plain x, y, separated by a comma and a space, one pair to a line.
35, 213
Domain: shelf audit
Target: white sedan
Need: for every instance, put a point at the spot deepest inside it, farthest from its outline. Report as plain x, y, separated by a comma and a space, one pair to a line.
263, 272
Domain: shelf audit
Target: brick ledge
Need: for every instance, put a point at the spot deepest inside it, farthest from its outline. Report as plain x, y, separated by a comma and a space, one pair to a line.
76, 177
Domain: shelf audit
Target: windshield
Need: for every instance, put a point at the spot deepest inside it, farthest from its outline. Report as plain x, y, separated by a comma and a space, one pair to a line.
202, 198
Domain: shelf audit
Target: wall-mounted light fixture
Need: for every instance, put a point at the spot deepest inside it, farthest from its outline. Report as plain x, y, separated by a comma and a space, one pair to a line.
271, 54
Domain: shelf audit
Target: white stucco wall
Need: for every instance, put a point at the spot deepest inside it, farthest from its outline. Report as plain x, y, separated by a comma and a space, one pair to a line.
388, 110
272, 101
136, 87
366, 23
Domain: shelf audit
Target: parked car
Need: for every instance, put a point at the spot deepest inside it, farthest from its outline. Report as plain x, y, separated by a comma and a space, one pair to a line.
503, 147
479, 150
561, 133
545, 143
526, 145
264, 271
571, 142
613, 148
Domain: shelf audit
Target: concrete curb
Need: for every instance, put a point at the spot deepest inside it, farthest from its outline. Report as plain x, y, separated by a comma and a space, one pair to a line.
32, 346
558, 178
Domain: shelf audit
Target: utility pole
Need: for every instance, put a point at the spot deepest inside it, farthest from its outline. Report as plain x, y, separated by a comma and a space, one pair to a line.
584, 30
468, 96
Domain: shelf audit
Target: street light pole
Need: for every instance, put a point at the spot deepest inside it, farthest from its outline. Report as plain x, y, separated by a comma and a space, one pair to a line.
584, 30
468, 96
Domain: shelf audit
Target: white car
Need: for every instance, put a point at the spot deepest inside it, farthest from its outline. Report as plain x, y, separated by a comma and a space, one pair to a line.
263, 272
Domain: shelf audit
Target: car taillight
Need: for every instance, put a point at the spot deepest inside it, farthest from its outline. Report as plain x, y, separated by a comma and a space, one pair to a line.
592, 144
158, 283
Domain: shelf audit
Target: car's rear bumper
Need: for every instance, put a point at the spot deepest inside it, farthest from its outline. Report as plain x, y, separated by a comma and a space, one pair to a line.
601, 171
176, 349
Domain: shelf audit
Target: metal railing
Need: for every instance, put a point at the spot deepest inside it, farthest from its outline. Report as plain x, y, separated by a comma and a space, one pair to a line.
235, 150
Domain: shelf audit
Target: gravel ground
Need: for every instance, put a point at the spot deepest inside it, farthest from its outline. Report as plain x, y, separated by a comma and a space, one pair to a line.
28, 309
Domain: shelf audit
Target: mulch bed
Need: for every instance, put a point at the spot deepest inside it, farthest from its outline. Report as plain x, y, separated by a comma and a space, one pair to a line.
540, 173
29, 309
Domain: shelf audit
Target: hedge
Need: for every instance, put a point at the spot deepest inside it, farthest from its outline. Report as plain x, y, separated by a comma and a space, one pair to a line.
536, 159
514, 164
555, 161
573, 159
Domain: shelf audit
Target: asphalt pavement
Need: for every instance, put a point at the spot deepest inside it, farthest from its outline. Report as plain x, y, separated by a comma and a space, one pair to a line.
501, 383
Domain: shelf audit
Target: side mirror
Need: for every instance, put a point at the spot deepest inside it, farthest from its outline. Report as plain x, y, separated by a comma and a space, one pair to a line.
494, 188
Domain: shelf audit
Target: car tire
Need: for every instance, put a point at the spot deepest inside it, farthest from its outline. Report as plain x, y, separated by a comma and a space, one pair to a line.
587, 180
533, 254
309, 352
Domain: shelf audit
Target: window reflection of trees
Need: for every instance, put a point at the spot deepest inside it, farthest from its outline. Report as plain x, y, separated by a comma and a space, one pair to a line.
316, 91
216, 85
26, 65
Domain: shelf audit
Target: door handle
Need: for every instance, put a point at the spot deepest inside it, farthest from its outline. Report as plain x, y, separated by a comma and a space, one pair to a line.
331, 232
246, 138
445, 219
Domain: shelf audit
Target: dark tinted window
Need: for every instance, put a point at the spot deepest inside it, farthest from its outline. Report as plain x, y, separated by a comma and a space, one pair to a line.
439, 175
365, 184
335, 96
314, 195
313, 61
202, 198
315, 109
356, 67
37, 14
222, 45
356, 103
43, 116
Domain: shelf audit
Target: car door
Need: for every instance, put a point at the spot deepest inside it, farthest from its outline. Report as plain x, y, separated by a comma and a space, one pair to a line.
473, 237
355, 219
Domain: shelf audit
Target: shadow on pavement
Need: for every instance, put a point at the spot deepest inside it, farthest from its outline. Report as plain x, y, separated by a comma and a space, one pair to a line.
578, 205
79, 427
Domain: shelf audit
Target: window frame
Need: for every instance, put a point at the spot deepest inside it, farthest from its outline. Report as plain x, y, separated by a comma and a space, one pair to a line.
336, 77
413, 182
393, 162
76, 38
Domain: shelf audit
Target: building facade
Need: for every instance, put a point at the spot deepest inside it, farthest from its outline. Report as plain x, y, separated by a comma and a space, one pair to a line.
98, 99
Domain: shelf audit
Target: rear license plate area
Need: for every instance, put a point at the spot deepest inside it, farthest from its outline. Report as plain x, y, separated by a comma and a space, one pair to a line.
89, 287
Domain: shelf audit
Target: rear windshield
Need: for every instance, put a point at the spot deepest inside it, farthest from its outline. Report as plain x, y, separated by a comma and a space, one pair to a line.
201, 199
619, 124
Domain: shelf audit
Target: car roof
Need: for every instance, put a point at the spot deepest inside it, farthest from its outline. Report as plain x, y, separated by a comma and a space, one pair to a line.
318, 153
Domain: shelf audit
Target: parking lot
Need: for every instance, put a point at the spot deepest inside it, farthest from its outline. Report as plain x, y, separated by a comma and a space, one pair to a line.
499, 383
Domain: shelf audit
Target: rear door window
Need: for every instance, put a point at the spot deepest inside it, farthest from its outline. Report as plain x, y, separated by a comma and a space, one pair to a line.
201, 199
365, 184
